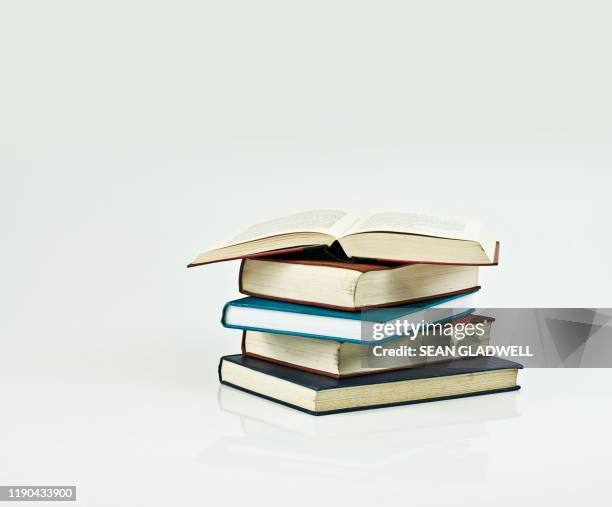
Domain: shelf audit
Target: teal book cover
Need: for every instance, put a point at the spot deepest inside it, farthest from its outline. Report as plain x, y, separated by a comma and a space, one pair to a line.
267, 315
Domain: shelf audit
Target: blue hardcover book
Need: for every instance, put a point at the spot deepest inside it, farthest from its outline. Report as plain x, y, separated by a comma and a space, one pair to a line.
257, 314
320, 395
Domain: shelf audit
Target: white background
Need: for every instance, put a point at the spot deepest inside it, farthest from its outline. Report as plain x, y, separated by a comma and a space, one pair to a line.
135, 134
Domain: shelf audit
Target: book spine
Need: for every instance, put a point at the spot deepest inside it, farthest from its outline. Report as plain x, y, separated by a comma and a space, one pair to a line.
243, 342
240, 276
223, 312
219, 369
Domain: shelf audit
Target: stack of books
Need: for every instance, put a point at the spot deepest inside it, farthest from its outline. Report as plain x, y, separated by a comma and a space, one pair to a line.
318, 283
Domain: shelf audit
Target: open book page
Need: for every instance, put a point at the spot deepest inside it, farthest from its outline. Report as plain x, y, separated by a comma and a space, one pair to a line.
416, 223
331, 222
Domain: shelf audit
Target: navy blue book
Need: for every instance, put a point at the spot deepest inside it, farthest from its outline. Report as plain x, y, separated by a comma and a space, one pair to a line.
267, 315
320, 395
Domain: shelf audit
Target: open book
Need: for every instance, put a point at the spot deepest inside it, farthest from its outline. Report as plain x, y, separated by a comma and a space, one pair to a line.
395, 237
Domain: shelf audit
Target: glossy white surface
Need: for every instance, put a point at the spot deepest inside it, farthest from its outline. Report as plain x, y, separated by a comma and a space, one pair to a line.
147, 424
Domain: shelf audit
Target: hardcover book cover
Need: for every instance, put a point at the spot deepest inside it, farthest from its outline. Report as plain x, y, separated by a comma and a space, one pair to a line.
345, 322
326, 259
318, 383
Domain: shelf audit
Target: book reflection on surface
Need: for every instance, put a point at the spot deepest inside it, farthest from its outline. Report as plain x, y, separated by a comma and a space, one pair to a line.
439, 435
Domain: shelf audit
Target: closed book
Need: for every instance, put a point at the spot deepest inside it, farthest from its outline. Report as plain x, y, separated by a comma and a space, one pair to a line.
341, 359
258, 314
350, 285
321, 395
